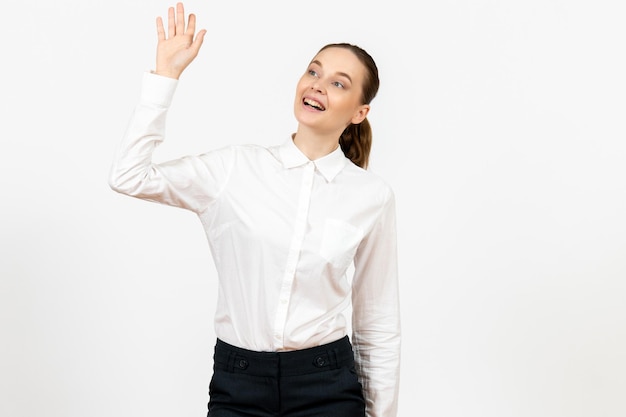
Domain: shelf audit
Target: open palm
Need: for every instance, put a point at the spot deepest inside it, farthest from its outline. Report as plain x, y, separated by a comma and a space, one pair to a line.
178, 48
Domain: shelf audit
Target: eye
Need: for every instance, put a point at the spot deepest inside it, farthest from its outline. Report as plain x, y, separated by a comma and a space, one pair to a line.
338, 84
313, 73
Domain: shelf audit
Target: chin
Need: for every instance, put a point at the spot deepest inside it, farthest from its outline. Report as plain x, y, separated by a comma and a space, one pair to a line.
304, 117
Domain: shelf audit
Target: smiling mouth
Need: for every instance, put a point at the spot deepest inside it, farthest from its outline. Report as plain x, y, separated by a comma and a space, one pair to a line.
315, 104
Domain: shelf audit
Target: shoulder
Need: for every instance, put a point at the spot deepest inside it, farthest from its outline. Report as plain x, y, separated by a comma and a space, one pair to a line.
241, 151
367, 177
367, 183
247, 157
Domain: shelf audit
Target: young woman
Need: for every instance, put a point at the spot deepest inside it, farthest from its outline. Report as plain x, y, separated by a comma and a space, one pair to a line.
284, 224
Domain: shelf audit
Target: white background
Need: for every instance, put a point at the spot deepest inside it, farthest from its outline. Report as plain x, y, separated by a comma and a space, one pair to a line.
500, 125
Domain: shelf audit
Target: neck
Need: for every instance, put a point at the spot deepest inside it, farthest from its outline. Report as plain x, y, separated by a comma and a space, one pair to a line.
315, 146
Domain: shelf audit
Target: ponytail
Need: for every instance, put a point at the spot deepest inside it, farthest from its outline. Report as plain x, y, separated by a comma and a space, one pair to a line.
356, 143
356, 139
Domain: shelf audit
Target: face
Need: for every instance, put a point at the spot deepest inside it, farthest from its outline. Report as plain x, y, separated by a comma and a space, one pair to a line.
328, 95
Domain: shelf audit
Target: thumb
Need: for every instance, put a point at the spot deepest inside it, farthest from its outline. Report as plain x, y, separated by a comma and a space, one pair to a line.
197, 43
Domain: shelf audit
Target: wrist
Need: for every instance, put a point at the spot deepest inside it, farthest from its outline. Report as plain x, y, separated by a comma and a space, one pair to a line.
168, 74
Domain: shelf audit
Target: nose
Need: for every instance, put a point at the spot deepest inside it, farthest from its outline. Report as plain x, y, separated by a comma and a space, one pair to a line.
316, 86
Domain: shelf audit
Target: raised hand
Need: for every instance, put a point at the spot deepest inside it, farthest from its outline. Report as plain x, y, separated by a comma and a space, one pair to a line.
176, 50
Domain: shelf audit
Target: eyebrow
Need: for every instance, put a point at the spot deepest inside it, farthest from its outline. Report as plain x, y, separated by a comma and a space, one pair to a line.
343, 74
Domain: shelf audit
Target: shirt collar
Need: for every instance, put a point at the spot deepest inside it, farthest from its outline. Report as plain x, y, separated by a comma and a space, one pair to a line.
329, 165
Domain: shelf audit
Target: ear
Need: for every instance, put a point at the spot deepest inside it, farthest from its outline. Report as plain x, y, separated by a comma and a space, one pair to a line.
360, 114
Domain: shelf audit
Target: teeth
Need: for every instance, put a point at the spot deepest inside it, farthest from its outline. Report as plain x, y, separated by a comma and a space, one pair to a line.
313, 103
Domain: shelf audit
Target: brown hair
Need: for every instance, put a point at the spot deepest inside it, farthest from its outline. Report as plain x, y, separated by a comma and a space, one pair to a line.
356, 139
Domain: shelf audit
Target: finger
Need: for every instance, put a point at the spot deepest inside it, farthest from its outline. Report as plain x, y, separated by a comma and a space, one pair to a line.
160, 29
197, 43
171, 24
180, 19
191, 26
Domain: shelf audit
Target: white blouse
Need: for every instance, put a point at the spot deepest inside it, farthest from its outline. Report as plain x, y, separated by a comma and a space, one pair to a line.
283, 231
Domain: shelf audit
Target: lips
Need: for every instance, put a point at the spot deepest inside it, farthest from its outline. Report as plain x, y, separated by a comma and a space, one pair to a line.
313, 103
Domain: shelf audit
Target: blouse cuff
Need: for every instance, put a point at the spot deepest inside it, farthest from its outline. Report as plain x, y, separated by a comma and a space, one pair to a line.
157, 89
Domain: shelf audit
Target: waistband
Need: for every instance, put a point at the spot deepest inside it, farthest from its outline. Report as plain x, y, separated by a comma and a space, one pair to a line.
234, 359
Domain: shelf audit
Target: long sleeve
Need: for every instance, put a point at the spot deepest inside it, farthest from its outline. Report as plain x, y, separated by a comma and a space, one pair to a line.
376, 315
190, 182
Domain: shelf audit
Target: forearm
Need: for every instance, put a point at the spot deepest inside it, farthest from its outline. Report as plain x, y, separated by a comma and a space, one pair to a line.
376, 337
376, 315
377, 357
132, 163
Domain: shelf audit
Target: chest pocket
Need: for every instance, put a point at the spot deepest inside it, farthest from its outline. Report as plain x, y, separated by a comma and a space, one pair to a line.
340, 242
